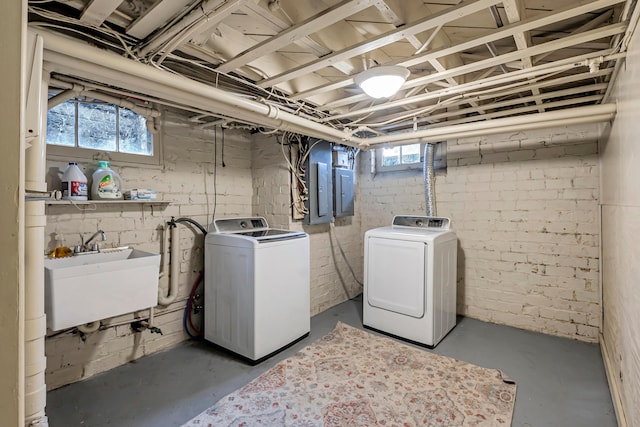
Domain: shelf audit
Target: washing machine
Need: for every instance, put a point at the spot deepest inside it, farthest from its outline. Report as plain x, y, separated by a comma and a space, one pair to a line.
410, 279
257, 287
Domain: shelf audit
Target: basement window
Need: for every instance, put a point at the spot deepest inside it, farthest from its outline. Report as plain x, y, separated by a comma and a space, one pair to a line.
408, 157
92, 129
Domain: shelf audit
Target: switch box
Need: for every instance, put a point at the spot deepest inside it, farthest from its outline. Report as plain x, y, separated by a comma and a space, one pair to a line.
319, 179
343, 196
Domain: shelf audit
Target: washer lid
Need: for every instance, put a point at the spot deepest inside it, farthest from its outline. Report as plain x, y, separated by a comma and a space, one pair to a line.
429, 222
254, 228
271, 234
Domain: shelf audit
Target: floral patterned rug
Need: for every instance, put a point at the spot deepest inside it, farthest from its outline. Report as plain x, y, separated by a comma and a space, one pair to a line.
353, 378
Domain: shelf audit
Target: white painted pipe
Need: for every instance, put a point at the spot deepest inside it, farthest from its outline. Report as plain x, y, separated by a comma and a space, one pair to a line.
35, 323
120, 102
573, 116
63, 96
174, 270
188, 21
35, 126
129, 74
35, 320
70, 55
164, 264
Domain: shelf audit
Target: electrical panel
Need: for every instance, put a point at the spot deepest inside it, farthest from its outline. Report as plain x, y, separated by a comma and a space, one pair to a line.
318, 167
343, 197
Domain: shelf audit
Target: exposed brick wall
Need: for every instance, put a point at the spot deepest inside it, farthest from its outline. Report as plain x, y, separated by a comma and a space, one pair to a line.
186, 179
525, 209
331, 280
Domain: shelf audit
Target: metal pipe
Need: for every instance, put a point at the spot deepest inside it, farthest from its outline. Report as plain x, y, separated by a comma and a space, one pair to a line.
35, 320
174, 268
84, 59
35, 323
63, 96
35, 126
71, 55
562, 118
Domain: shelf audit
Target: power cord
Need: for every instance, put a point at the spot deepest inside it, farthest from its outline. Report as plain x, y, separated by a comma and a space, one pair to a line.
344, 256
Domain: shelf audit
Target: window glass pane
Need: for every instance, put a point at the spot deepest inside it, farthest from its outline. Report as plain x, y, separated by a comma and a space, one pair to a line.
391, 156
97, 126
134, 136
411, 154
61, 124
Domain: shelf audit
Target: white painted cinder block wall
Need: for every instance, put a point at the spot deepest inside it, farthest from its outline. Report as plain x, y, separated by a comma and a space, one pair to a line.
186, 179
526, 219
331, 279
525, 209
620, 174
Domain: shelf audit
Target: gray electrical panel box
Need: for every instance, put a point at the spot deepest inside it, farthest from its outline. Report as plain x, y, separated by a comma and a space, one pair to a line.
319, 178
343, 192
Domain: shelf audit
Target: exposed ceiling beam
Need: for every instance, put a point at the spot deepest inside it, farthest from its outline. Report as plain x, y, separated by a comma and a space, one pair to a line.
276, 25
323, 19
521, 110
392, 16
421, 25
512, 91
531, 51
445, 116
202, 26
514, 9
495, 61
154, 17
594, 23
97, 11
492, 81
491, 36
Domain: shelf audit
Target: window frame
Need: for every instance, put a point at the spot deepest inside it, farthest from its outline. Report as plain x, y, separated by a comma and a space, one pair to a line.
65, 153
440, 159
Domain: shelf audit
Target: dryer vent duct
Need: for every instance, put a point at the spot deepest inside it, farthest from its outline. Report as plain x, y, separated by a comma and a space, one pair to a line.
429, 179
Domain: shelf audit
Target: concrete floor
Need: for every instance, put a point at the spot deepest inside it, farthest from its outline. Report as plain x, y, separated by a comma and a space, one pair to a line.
560, 382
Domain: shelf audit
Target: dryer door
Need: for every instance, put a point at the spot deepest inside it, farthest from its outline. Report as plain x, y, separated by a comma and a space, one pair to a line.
396, 273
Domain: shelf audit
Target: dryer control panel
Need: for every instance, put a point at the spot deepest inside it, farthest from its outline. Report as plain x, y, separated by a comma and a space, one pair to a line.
433, 222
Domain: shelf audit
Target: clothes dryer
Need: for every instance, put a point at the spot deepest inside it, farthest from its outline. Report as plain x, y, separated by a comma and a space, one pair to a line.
410, 279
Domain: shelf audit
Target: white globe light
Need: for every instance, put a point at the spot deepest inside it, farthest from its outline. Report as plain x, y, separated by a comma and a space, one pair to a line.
382, 82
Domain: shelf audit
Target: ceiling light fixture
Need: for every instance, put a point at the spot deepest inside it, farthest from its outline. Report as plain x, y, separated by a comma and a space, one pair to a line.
382, 82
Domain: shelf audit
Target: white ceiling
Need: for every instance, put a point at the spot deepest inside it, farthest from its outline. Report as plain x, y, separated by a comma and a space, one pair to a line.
470, 61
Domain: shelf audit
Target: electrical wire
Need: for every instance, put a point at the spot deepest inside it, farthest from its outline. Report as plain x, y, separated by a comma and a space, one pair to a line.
215, 173
344, 256
222, 153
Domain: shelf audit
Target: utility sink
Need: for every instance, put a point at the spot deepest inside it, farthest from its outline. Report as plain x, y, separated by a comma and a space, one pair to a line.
89, 287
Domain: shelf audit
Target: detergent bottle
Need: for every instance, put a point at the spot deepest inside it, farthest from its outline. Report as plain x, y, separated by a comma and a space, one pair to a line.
106, 183
74, 183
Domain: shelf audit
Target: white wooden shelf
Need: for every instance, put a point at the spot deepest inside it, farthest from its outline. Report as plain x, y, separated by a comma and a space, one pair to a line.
108, 202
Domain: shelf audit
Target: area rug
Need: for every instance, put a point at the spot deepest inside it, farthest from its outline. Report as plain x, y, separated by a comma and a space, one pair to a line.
353, 378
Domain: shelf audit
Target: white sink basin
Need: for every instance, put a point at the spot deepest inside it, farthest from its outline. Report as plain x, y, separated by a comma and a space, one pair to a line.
90, 287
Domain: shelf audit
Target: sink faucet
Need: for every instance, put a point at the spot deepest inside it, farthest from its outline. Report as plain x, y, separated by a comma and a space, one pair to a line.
94, 247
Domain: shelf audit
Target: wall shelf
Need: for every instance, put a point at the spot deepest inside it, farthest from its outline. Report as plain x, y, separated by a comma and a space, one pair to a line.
161, 203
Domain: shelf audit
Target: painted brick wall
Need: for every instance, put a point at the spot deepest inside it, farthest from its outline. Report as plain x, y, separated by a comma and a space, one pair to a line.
525, 209
186, 179
331, 280
620, 176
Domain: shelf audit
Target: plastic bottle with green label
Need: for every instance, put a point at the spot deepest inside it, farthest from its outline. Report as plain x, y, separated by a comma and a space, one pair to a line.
106, 184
